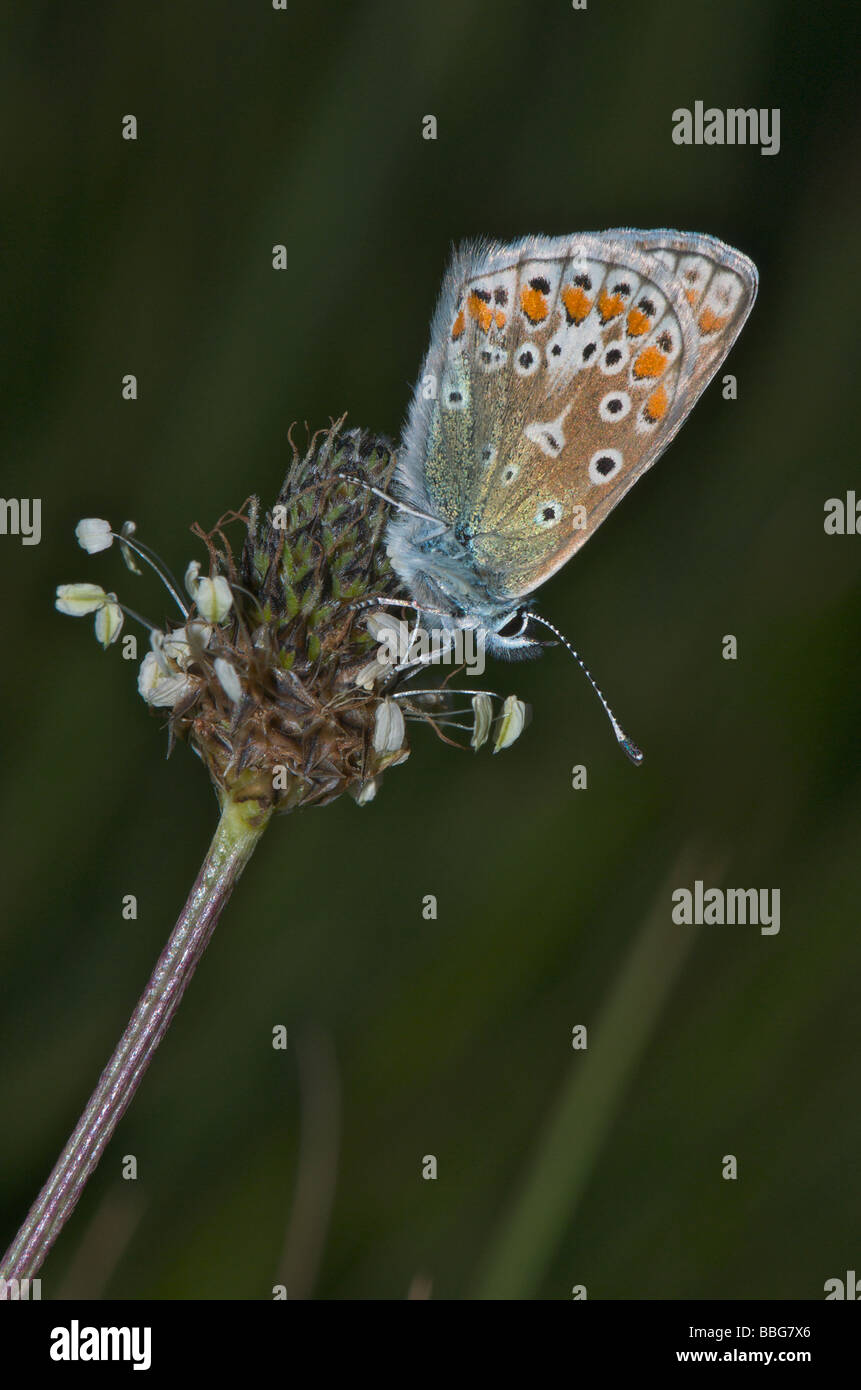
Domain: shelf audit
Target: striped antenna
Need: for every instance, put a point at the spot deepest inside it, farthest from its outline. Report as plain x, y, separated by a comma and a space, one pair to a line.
627, 744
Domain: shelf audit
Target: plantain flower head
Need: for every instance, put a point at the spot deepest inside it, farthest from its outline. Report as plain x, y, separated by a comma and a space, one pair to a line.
278, 671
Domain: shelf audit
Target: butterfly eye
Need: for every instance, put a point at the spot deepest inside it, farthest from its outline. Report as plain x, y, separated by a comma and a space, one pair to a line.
604, 465
548, 514
516, 625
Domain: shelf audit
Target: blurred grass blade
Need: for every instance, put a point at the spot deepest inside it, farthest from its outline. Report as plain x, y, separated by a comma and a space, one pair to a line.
588, 1105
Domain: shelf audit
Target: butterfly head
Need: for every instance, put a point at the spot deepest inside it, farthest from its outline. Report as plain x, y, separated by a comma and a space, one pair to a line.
436, 564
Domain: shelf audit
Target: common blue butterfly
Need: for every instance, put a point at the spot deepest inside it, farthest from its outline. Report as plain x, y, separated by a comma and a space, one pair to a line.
559, 369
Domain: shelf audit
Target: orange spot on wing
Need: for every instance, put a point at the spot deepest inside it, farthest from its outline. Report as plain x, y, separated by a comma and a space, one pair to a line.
610, 305
577, 303
650, 363
500, 318
690, 296
656, 405
638, 322
458, 325
479, 309
710, 322
534, 304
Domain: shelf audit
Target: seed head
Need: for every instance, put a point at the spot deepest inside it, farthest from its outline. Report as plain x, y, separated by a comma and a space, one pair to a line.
276, 675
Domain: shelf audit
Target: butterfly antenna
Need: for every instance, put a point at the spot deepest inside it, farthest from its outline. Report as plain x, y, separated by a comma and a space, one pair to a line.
392, 501
628, 745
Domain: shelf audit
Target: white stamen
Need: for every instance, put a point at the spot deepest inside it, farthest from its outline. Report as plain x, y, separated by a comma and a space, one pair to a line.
228, 679
109, 621
389, 728
482, 708
79, 599
511, 723
367, 676
385, 627
213, 598
158, 689
94, 534
192, 577
176, 645
367, 792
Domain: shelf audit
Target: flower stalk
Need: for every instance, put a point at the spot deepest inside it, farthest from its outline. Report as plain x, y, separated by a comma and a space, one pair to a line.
241, 823
276, 680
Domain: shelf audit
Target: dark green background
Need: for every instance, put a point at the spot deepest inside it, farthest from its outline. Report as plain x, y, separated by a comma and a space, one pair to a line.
450, 1037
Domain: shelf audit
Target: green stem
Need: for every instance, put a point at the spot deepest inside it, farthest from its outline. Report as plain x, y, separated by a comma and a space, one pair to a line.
240, 826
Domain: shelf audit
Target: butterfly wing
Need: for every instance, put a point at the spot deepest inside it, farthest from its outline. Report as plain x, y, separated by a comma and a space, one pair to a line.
559, 371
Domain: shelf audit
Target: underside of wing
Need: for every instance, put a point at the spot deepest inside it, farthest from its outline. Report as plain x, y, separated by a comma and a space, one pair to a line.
559, 370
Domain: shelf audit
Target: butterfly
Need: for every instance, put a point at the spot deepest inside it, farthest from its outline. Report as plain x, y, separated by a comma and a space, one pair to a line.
559, 369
